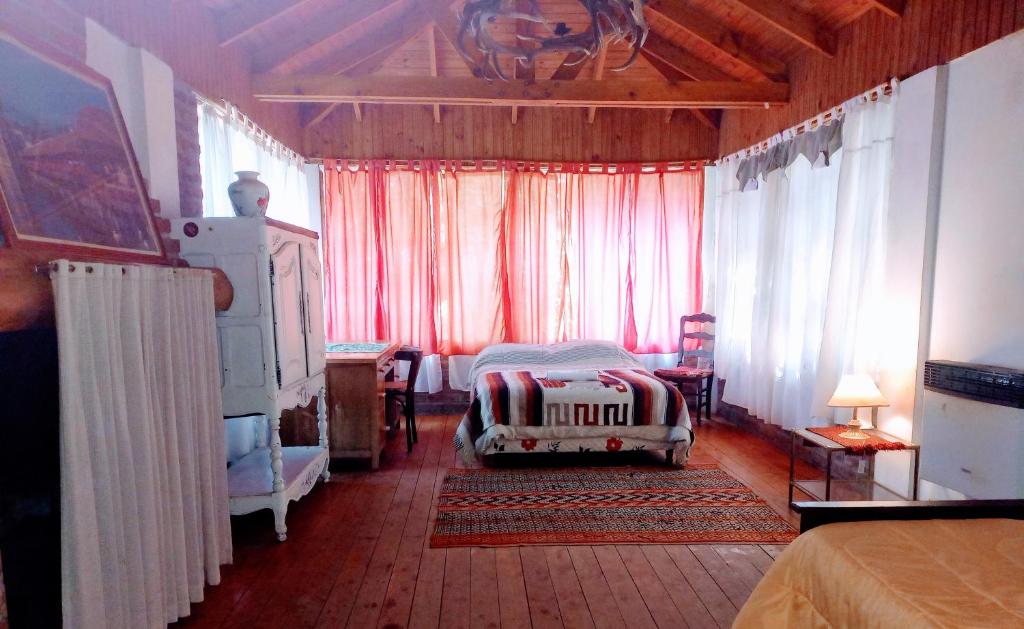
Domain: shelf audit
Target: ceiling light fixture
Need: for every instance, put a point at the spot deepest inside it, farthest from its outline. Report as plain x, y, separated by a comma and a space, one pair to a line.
485, 26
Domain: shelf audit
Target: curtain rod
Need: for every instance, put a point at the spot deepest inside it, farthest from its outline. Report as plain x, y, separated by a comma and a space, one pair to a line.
494, 164
51, 267
873, 94
229, 110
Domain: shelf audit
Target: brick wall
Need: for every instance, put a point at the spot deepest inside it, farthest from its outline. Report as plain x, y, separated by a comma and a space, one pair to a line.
186, 121
447, 401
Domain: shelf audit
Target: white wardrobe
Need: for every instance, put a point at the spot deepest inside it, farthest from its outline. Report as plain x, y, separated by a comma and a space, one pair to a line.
272, 348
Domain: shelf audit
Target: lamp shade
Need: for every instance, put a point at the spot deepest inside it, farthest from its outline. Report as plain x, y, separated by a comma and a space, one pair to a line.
857, 390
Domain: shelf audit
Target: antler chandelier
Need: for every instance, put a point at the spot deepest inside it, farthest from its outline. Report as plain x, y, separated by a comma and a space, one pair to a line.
611, 21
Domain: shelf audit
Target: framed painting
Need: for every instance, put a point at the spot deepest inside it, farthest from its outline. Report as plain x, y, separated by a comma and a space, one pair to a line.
69, 180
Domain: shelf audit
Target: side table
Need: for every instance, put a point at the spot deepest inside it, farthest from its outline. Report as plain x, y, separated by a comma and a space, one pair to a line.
868, 489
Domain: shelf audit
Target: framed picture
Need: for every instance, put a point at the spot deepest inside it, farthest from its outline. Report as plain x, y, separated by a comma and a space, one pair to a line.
69, 180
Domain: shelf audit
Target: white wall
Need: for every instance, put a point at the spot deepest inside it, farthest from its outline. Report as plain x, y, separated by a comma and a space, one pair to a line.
144, 87
978, 306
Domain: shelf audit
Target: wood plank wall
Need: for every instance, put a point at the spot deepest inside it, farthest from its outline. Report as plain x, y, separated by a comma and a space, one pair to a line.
184, 35
872, 50
409, 132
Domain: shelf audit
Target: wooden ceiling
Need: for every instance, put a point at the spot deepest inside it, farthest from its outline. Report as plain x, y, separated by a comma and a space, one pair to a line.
700, 54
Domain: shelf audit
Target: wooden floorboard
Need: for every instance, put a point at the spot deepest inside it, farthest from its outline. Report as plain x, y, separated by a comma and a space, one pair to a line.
358, 555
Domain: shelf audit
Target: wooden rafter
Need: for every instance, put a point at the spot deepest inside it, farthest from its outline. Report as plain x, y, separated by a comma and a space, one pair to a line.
396, 33
713, 33
708, 117
349, 15
602, 57
690, 65
432, 52
570, 67
237, 23
366, 66
473, 91
447, 24
521, 70
893, 8
798, 25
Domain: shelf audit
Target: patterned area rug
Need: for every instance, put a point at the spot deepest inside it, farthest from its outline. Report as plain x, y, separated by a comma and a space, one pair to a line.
697, 505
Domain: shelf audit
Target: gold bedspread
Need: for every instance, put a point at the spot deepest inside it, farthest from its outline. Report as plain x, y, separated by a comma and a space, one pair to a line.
931, 573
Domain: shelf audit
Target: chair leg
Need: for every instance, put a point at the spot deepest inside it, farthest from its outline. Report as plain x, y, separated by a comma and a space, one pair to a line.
408, 432
699, 405
707, 396
412, 418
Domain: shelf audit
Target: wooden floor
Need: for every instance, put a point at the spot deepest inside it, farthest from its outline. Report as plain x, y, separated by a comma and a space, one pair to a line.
358, 555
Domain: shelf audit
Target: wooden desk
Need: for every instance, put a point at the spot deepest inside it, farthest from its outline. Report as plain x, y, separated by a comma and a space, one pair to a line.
355, 401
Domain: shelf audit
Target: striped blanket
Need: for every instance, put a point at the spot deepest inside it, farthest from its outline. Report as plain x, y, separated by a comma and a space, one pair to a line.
620, 403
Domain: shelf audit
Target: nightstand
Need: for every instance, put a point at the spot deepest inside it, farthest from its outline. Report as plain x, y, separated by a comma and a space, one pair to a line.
828, 488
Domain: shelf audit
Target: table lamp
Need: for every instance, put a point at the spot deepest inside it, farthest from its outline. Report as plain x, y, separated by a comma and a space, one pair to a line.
856, 391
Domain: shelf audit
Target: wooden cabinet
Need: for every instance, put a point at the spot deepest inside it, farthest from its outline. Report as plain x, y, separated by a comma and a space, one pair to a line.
271, 338
355, 394
271, 350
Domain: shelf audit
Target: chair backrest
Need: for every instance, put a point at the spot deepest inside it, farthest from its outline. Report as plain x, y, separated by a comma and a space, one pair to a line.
414, 356
705, 340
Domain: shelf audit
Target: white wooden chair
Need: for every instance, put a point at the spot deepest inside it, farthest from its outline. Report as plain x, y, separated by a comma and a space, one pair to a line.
262, 474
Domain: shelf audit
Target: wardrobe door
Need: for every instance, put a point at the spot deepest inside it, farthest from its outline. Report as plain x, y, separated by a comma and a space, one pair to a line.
289, 319
312, 289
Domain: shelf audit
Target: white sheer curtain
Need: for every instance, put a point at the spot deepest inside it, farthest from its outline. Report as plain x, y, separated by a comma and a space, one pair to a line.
774, 248
799, 264
144, 505
228, 144
852, 340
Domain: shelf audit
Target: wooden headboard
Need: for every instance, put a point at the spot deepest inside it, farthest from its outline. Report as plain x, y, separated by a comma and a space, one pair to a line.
814, 514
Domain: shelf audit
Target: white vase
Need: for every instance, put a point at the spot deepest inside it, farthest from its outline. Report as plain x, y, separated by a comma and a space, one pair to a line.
249, 196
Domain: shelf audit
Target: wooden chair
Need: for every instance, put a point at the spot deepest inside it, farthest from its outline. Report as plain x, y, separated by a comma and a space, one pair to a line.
692, 380
403, 392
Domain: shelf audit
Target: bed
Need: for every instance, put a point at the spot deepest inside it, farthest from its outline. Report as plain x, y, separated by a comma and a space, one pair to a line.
577, 396
918, 564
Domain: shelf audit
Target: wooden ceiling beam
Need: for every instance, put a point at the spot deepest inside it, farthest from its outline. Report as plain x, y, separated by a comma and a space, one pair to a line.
602, 56
473, 91
709, 117
447, 23
432, 52
893, 8
571, 67
316, 114
237, 23
711, 32
393, 34
348, 15
798, 25
690, 65
521, 70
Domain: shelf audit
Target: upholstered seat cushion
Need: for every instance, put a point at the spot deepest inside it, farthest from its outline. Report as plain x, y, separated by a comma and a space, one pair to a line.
683, 373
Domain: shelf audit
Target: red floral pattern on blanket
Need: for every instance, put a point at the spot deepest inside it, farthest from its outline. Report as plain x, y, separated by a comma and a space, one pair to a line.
614, 444
529, 444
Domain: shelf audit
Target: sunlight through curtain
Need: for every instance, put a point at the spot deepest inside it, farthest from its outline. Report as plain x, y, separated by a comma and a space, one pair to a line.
800, 274
454, 260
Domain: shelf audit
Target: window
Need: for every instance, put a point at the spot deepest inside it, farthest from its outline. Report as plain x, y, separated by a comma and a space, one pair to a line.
230, 142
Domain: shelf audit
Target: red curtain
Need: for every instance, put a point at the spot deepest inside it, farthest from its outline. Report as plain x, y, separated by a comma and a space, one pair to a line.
467, 237
665, 273
407, 259
453, 260
350, 209
535, 265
